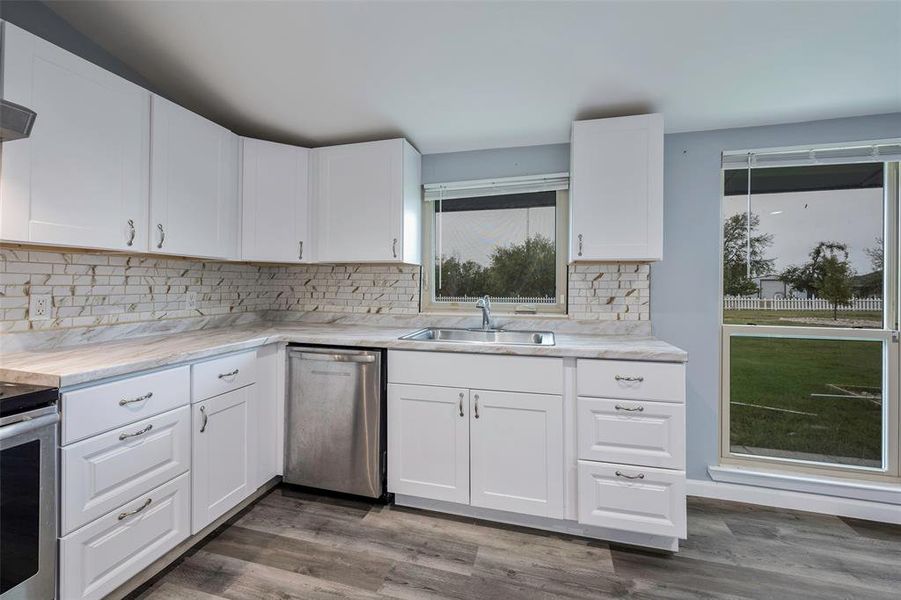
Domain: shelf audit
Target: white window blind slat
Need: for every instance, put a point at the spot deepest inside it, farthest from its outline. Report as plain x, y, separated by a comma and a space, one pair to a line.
495, 187
882, 151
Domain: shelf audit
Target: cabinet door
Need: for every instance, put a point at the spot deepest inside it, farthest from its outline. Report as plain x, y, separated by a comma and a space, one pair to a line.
99, 557
517, 452
428, 442
358, 202
616, 189
220, 458
194, 184
81, 179
275, 202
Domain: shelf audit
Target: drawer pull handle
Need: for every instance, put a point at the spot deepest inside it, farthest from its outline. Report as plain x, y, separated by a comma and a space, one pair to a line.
476, 413
634, 409
205, 419
125, 436
231, 374
131, 233
461, 404
638, 378
146, 396
162, 235
627, 476
123, 515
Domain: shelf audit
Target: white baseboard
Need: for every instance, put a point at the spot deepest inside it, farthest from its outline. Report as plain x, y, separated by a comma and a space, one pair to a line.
830, 505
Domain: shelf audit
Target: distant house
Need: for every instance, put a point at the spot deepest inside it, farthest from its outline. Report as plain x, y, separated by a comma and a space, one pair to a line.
773, 288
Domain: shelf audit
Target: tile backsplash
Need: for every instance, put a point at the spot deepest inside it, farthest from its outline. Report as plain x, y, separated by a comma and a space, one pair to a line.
90, 289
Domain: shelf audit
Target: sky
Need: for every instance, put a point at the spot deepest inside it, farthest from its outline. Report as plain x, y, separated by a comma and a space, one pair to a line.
472, 235
798, 221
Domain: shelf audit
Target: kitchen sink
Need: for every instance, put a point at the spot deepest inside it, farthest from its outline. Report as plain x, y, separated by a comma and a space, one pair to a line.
482, 336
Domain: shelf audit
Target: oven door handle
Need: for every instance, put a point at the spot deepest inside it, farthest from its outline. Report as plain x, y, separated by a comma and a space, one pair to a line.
28, 425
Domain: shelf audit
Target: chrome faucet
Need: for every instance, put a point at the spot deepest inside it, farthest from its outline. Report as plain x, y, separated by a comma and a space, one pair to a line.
484, 303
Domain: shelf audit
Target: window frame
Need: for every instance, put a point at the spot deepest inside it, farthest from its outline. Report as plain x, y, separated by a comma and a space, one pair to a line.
888, 334
428, 303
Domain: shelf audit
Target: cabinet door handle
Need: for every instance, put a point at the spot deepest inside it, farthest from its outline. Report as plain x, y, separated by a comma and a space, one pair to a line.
394, 247
123, 515
162, 235
627, 476
634, 409
461, 404
126, 402
637, 379
229, 374
125, 436
476, 407
205, 419
580, 244
300, 250
131, 233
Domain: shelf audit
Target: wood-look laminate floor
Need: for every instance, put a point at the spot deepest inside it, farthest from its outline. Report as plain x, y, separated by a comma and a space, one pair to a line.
293, 545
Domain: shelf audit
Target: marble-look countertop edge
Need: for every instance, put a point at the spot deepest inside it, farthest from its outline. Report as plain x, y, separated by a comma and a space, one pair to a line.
75, 366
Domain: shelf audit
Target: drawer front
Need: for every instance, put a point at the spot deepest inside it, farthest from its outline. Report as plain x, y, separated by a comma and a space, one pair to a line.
650, 434
104, 554
530, 374
652, 502
108, 470
631, 380
100, 408
224, 374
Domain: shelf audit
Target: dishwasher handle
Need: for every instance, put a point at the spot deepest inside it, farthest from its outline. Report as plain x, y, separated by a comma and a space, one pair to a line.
354, 358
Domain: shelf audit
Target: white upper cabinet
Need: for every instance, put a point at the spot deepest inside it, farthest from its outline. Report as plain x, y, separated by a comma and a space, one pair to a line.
81, 178
367, 202
275, 204
193, 184
616, 189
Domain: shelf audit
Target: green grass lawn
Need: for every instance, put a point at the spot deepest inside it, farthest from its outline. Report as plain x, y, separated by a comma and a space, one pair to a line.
783, 373
778, 317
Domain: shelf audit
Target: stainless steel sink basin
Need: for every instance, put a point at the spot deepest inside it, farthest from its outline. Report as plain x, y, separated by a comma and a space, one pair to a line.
481, 336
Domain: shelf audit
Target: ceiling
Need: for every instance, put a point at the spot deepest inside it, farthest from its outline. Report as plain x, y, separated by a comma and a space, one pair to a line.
469, 75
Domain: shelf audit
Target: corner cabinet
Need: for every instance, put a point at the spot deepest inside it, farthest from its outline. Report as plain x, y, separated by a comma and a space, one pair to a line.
81, 178
193, 184
616, 189
275, 202
367, 202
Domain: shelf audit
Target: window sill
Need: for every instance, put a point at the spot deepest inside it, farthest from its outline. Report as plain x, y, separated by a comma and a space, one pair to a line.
888, 493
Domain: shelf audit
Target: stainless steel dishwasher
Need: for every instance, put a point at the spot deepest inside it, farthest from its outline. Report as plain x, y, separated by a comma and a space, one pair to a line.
336, 421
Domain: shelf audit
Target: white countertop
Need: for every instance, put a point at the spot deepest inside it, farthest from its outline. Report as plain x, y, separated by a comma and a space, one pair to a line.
75, 365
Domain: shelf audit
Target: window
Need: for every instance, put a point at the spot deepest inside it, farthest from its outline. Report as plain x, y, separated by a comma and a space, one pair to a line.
504, 238
810, 360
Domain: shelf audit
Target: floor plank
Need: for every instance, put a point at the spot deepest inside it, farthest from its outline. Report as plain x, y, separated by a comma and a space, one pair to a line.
298, 545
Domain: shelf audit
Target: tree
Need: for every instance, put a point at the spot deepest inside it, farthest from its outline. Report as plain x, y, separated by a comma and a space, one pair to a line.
827, 274
876, 254
528, 269
736, 281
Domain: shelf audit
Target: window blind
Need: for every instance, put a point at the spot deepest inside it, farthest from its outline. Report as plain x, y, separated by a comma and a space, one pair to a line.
495, 187
880, 151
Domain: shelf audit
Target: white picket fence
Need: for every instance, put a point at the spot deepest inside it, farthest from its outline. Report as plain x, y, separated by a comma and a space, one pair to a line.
753, 303
511, 299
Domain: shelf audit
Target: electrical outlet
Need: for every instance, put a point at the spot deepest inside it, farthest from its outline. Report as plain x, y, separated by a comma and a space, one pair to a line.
191, 300
39, 307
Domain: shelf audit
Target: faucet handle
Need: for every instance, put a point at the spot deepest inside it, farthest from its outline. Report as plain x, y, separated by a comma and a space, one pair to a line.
484, 302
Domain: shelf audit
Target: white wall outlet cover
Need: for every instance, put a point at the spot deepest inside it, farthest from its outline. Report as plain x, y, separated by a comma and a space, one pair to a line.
191, 300
39, 307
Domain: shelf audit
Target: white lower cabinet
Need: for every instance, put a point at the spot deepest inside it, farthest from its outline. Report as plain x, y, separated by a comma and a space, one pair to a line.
517, 452
220, 445
104, 554
107, 470
428, 442
637, 499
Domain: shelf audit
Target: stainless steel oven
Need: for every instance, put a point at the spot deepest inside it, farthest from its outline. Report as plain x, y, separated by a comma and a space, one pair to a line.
28, 491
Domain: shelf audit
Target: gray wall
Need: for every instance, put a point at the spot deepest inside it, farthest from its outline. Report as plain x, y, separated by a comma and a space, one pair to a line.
685, 285
501, 162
